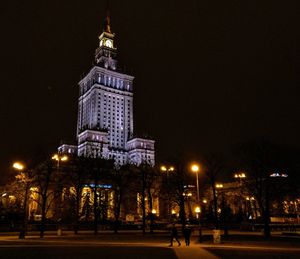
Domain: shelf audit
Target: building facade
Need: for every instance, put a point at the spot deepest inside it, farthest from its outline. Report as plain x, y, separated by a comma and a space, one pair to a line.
105, 111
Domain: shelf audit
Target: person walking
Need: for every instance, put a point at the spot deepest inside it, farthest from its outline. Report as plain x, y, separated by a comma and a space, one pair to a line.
187, 235
174, 234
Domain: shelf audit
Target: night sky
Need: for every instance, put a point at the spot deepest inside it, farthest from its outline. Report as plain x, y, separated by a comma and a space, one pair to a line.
209, 74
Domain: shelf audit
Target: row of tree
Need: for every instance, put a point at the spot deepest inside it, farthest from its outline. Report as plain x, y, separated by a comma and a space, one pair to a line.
258, 159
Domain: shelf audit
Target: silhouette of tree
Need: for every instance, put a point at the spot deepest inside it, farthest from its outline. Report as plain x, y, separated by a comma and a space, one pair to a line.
121, 178
214, 165
43, 175
99, 169
78, 176
260, 159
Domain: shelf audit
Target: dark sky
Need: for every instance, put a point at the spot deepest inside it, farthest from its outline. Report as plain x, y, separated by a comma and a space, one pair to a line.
209, 74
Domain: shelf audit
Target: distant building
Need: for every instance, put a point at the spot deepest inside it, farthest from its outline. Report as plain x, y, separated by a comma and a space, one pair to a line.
105, 110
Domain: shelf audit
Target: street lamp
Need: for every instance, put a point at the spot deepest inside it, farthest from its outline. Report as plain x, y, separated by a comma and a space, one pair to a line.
219, 185
195, 169
23, 177
198, 211
58, 157
167, 170
240, 175
18, 166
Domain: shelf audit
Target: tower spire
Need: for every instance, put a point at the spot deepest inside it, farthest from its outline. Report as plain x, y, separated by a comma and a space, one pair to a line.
107, 18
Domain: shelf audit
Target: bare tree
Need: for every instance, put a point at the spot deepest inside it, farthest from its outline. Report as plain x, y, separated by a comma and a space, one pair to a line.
22, 187
214, 166
78, 176
99, 169
177, 183
43, 177
259, 159
121, 177
147, 175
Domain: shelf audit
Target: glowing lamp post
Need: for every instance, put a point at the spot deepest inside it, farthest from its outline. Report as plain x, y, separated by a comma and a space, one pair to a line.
167, 170
219, 185
197, 211
240, 175
18, 166
195, 169
59, 158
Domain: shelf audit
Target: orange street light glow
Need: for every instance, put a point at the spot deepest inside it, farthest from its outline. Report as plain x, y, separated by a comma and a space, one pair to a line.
163, 168
18, 166
64, 158
167, 169
241, 175
197, 210
59, 158
195, 168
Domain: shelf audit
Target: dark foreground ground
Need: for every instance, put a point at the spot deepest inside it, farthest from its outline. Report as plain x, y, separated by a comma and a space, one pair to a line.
252, 253
86, 252
254, 246
134, 246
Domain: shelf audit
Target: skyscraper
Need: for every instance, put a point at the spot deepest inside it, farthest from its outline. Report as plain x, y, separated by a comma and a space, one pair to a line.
105, 110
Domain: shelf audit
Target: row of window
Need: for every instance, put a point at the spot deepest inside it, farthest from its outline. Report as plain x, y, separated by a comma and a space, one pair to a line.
114, 82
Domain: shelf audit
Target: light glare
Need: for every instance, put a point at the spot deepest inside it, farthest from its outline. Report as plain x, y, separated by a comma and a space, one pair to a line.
195, 168
18, 166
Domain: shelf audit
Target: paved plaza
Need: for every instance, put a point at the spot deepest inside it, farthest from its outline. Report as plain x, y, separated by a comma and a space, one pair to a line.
134, 246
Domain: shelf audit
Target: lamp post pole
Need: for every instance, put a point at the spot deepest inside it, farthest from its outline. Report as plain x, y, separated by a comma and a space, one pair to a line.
58, 157
240, 177
198, 191
167, 170
195, 168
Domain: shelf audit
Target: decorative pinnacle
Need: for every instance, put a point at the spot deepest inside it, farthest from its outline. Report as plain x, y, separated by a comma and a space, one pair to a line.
107, 18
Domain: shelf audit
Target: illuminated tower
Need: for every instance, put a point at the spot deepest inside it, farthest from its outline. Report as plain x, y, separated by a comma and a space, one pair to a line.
105, 110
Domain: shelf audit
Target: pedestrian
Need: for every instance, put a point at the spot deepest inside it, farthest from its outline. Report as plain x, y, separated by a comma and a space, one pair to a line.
187, 235
174, 234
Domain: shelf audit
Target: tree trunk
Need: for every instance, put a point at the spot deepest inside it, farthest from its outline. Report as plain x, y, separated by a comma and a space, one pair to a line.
225, 212
117, 210
215, 206
23, 229
95, 210
182, 211
267, 229
77, 209
151, 209
143, 213
43, 220
143, 203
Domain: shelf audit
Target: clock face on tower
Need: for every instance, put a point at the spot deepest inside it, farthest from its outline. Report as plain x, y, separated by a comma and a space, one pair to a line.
108, 43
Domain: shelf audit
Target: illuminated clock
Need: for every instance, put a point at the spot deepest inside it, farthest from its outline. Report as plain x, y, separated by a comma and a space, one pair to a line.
108, 43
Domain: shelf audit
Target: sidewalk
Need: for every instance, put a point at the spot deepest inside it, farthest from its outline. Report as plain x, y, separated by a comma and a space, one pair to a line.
193, 252
197, 250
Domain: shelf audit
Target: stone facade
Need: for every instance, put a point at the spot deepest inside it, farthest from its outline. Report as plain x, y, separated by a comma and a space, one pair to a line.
105, 111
